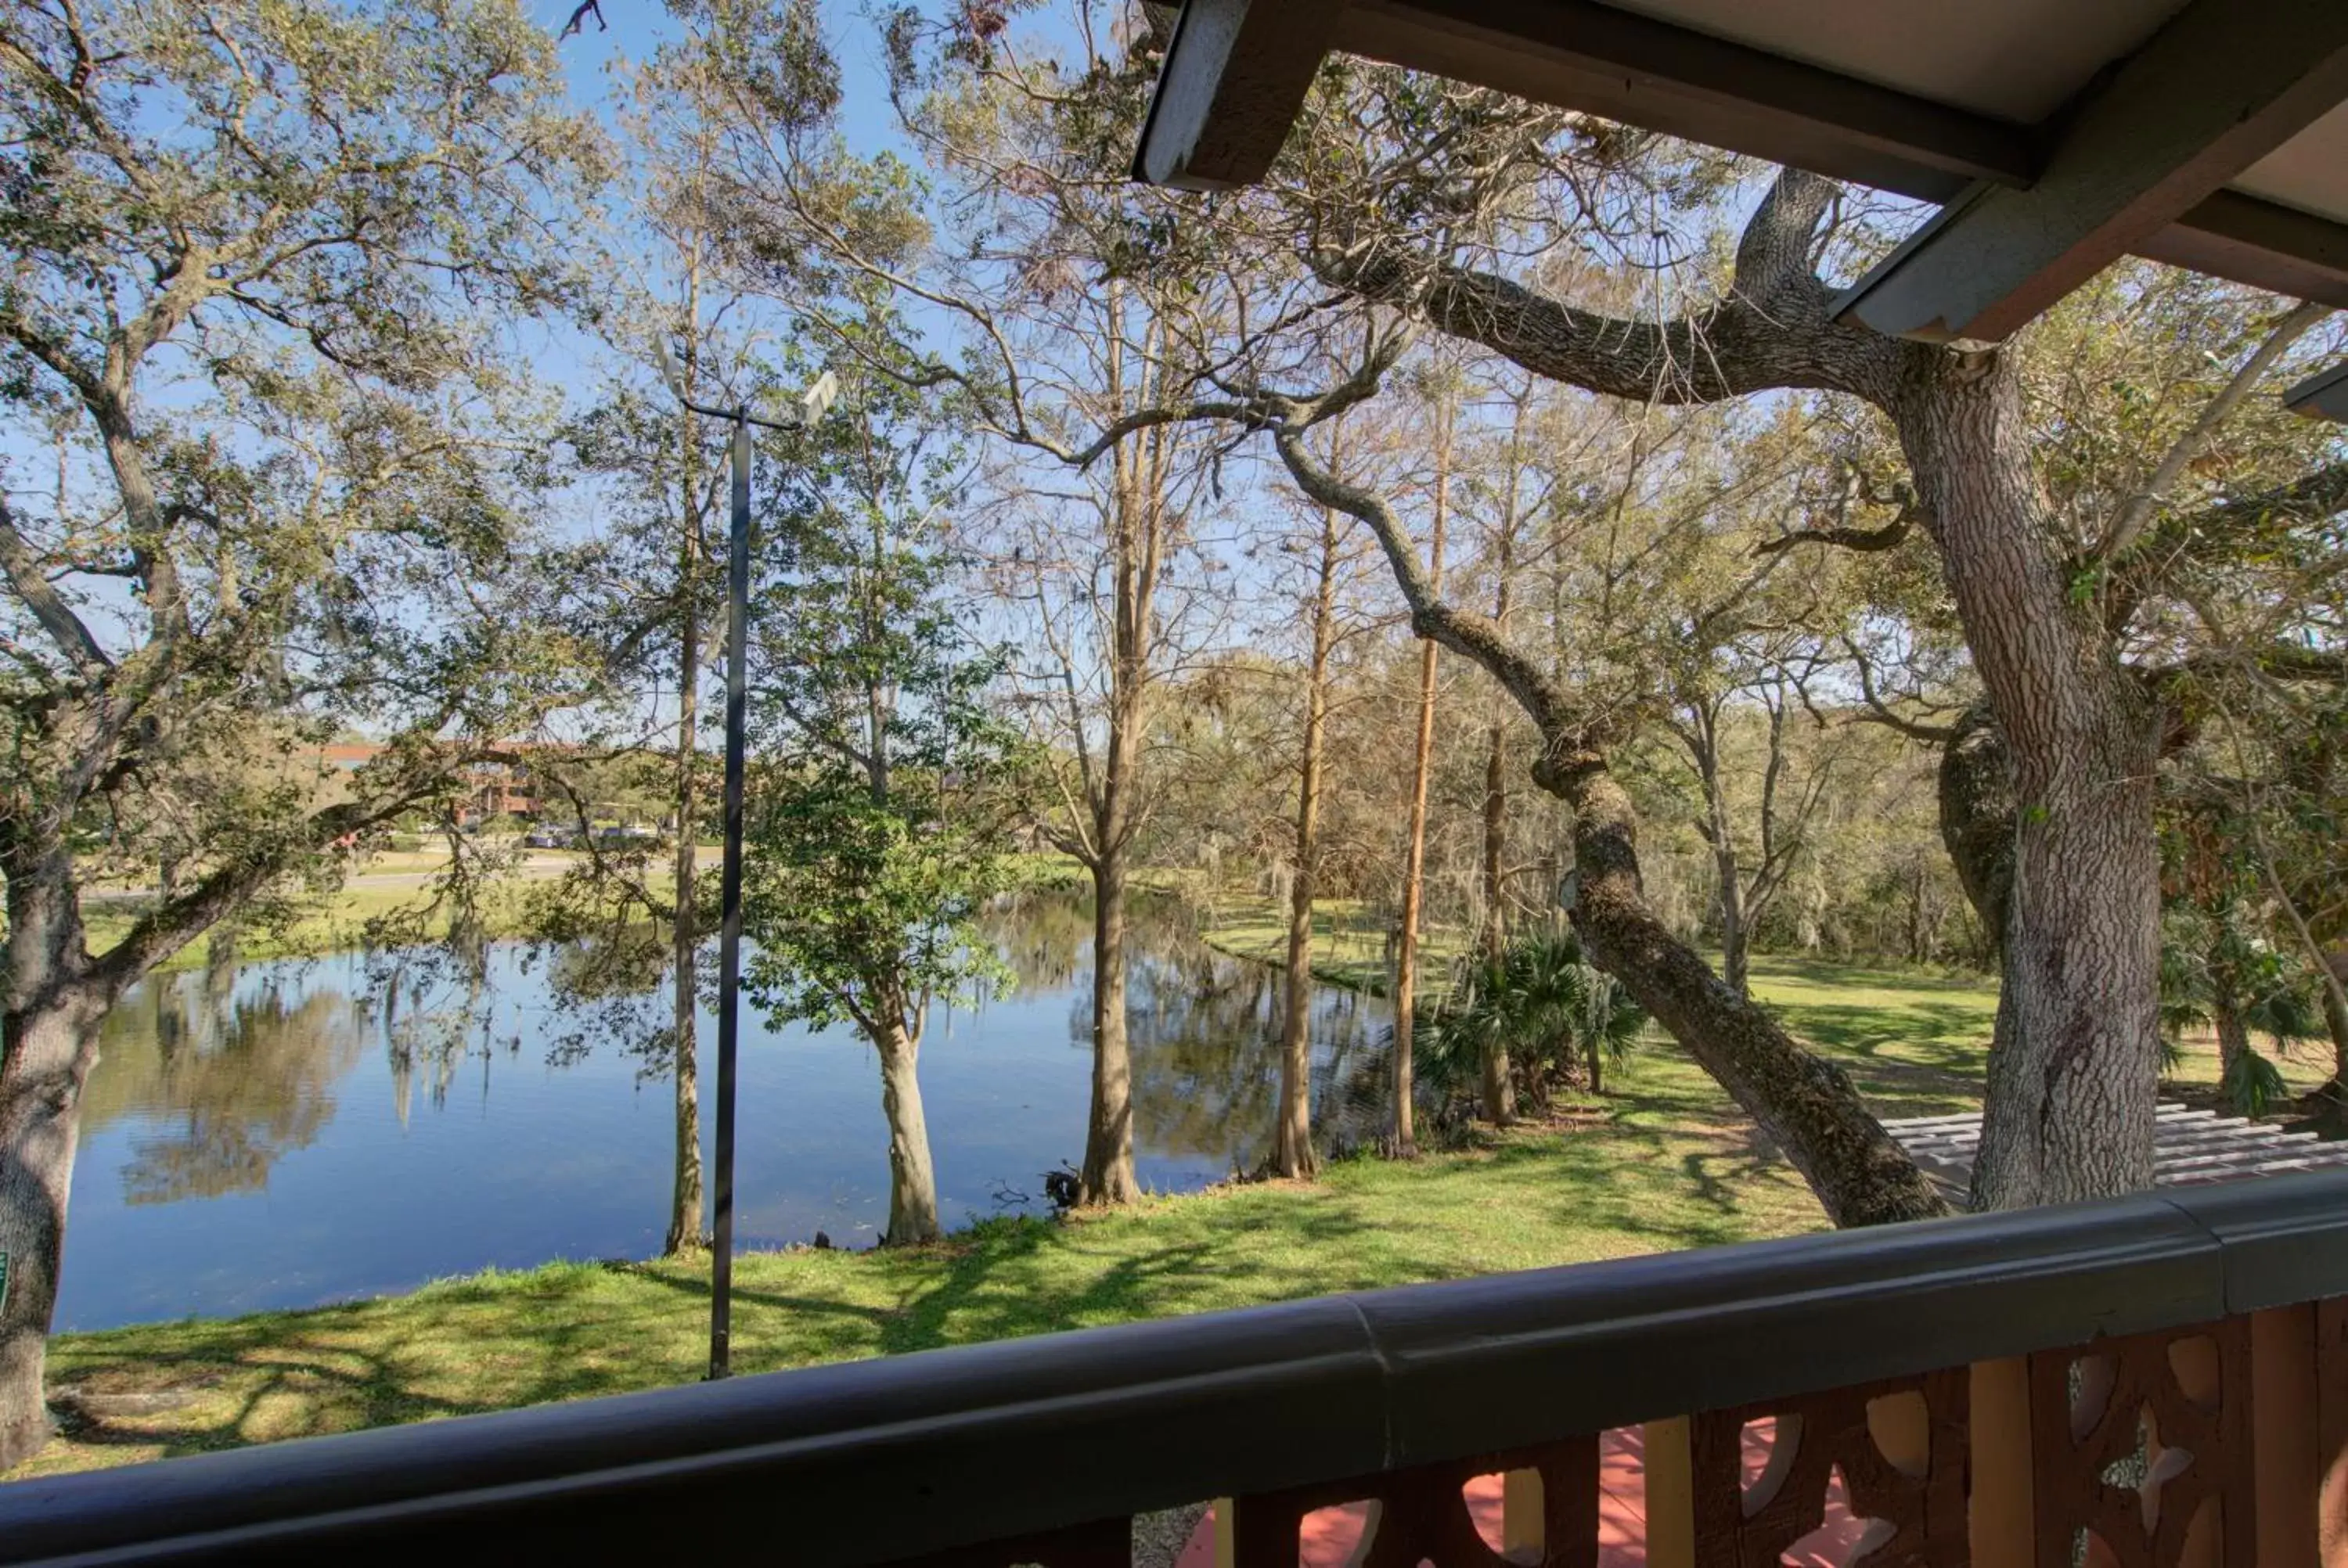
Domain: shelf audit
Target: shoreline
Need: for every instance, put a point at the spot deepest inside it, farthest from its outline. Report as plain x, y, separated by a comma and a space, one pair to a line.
1665, 1163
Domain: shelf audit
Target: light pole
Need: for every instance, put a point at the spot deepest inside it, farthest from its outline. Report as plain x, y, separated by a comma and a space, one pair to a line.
813, 405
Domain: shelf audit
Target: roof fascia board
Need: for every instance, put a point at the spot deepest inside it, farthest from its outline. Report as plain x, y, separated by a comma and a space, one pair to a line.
2221, 85
1234, 79
2323, 395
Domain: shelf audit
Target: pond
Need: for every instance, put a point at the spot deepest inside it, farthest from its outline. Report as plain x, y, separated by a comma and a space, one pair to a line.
291, 1133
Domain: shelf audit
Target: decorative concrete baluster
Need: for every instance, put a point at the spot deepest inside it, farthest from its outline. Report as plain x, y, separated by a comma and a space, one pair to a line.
2178, 1492
1898, 1445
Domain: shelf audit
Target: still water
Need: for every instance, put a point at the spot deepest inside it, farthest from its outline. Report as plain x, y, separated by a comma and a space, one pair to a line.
286, 1133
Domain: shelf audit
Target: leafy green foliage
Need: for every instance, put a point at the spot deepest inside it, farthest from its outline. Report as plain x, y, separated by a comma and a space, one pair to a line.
862, 907
1562, 1019
881, 797
259, 262
2215, 969
2253, 1083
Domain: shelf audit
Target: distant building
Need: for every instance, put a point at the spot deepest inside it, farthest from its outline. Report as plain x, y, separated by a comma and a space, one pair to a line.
492, 788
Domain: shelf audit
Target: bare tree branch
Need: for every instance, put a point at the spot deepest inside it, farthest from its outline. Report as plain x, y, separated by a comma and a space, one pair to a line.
2128, 526
1774, 329
41, 596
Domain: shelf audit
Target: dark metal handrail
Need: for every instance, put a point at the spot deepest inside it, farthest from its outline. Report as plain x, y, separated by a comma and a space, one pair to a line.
875, 1460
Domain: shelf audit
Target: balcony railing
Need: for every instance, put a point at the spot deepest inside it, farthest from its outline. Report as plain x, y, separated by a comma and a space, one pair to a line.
2160, 1380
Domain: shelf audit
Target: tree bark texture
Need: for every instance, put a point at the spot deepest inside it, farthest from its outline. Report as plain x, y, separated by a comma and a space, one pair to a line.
1805, 1104
912, 1179
48, 1043
2074, 1071
1109, 1176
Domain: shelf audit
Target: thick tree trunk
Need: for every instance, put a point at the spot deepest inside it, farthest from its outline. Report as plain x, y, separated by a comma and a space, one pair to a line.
48, 1043
2069, 1113
49, 1054
1976, 796
912, 1179
1108, 1176
1805, 1104
1500, 1085
2072, 1080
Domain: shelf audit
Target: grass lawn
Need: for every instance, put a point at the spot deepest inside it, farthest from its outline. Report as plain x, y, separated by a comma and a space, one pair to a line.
1654, 1180
1663, 1162
387, 883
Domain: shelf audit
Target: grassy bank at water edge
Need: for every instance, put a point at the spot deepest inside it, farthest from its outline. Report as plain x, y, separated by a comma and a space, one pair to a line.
1663, 1163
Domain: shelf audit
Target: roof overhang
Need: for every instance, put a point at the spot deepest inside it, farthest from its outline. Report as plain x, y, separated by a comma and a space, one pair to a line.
2059, 135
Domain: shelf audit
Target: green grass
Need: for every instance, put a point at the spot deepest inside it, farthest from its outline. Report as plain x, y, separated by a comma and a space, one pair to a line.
338, 922
1654, 1179
1349, 938
1663, 1163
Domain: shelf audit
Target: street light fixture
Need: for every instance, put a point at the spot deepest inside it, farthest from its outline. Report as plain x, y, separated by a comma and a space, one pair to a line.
814, 403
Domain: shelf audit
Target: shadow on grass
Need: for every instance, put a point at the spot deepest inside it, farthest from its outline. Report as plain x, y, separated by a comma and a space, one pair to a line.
1950, 1034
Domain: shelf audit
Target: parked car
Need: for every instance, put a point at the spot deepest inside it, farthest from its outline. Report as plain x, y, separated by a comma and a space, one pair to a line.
550, 839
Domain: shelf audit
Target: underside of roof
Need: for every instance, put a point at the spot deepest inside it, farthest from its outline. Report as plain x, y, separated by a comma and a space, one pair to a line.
2059, 135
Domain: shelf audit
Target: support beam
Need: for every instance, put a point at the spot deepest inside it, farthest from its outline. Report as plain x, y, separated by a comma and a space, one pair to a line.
1235, 76
2221, 85
2323, 395
2250, 239
1643, 71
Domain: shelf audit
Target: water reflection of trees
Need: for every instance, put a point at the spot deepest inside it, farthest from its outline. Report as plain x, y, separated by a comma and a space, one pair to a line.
431, 1018
1203, 1026
226, 1078
227, 1084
